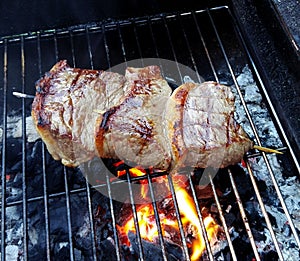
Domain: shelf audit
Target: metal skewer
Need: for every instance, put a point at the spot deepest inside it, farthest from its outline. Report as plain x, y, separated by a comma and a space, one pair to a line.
23, 95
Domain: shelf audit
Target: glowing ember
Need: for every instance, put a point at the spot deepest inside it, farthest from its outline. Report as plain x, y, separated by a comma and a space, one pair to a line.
147, 225
137, 172
189, 218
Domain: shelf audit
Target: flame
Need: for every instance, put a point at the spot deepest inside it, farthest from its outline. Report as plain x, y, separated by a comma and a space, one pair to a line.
189, 218
136, 172
147, 224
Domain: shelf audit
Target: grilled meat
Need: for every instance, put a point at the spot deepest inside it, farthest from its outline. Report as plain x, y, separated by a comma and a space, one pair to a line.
134, 131
85, 113
63, 109
201, 127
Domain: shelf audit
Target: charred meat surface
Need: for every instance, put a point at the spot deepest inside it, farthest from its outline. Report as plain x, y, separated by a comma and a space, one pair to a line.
134, 131
201, 127
64, 109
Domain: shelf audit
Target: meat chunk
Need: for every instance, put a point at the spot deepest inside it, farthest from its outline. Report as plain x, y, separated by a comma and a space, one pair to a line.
82, 113
201, 127
64, 109
134, 131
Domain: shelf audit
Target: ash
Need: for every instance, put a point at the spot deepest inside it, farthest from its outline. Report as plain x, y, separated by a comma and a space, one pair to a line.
14, 128
287, 182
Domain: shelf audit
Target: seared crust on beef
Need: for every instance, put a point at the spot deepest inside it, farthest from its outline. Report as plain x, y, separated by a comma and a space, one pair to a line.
64, 109
201, 127
134, 131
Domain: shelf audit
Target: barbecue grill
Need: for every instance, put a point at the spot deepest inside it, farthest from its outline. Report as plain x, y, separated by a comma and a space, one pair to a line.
50, 212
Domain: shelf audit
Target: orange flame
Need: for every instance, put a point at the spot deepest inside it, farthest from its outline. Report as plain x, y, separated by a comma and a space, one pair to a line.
147, 225
137, 172
189, 217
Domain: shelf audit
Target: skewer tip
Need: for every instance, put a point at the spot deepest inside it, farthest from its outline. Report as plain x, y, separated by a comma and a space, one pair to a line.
268, 150
23, 95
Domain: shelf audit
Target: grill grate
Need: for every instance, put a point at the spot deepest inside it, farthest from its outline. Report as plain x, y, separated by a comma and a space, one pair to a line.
194, 39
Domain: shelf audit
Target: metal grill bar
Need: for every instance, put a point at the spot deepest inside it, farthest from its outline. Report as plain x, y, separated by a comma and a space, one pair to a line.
135, 217
76, 191
189, 48
24, 189
67, 193
112, 210
122, 43
88, 191
157, 219
256, 136
138, 43
204, 233
232, 251
244, 216
106, 48
68, 214
172, 47
205, 47
177, 211
264, 211
45, 192
3, 161
129, 180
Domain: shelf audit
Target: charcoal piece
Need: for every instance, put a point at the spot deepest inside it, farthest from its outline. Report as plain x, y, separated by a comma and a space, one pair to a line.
243, 250
33, 158
286, 230
61, 253
259, 236
107, 251
37, 252
174, 250
272, 219
153, 252
270, 256
230, 219
83, 242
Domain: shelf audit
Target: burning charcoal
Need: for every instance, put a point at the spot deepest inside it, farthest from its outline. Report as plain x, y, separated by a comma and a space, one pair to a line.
214, 208
205, 192
259, 236
270, 256
61, 251
83, 240
107, 251
78, 255
55, 178
230, 218
34, 159
243, 249
174, 250
37, 252
153, 252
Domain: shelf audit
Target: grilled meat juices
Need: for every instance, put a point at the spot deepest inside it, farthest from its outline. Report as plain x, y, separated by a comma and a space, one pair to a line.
85, 113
